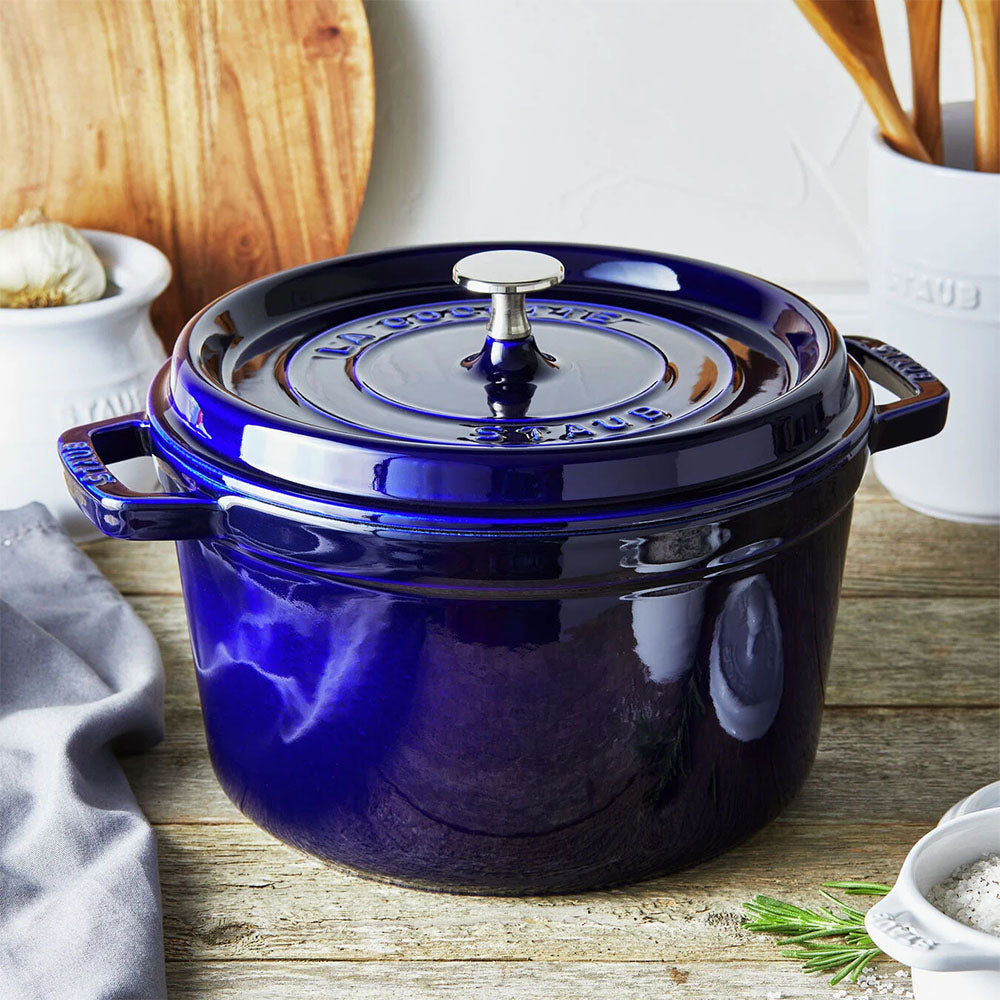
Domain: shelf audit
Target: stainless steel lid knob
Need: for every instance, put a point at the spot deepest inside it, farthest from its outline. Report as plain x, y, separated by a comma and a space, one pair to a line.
508, 275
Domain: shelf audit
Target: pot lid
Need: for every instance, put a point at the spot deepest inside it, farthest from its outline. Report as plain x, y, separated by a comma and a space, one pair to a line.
530, 376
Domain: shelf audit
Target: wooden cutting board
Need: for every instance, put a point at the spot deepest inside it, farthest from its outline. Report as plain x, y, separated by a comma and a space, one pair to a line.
235, 135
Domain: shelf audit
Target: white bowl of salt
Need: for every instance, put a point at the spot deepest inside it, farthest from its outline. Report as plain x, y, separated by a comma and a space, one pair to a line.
942, 917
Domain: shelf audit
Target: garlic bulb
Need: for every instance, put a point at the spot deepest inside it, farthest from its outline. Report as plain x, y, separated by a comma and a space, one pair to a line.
45, 263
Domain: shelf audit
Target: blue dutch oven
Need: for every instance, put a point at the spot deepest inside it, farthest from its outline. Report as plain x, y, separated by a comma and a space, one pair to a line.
530, 595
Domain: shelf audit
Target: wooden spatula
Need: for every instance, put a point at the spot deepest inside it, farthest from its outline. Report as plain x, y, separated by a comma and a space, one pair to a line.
924, 20
983, 17
851, 29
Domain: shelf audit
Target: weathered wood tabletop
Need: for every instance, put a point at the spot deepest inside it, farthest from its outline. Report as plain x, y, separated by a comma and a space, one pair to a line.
911, 725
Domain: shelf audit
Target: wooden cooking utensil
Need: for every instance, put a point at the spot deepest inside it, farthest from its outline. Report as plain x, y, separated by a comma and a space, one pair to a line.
235, 135
923, 18
851, 29
983, 17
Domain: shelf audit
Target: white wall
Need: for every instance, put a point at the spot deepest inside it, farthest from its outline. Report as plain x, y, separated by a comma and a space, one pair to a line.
721, 129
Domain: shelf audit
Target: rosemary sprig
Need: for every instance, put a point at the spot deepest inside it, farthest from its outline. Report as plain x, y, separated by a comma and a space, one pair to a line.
809, 930
860, 888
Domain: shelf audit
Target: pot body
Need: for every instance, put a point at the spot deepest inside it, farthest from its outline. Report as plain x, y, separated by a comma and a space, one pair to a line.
632, 701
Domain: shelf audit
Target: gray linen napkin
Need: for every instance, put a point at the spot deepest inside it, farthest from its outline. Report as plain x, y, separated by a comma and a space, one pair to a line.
80, 678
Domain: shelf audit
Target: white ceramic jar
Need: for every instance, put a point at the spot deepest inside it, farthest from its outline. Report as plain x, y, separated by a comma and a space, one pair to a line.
69, 365
934, 274
948, 960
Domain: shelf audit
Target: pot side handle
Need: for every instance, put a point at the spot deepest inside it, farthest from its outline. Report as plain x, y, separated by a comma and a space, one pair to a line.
919, 413
113, 508
894, 927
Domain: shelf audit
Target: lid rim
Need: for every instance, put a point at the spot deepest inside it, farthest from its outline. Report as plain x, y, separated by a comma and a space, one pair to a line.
736, 490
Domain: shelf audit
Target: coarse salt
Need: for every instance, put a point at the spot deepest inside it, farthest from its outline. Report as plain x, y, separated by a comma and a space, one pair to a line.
876, 984
972, 895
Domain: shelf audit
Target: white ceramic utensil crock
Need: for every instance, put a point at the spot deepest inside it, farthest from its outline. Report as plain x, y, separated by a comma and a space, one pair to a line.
75, 364
935, 286
948, 960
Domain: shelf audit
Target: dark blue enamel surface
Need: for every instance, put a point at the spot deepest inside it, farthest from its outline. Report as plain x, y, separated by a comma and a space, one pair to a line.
625, 704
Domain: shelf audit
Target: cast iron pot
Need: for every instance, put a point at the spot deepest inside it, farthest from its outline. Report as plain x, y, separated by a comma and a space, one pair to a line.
482, 612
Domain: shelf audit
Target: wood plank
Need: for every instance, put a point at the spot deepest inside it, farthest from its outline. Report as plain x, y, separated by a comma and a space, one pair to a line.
907, 765
137, 567
875, 765
893, 552
503, 980
231, 892
877, 658
922, 651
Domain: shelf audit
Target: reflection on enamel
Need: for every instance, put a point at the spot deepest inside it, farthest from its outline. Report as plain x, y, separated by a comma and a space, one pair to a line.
747, 672
763, 373
666, 621
708, 375
667, 624
641, 273
794, 330
338, 649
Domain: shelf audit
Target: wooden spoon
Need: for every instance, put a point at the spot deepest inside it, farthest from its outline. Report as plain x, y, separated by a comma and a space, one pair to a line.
983, 17
850, 28
924, 20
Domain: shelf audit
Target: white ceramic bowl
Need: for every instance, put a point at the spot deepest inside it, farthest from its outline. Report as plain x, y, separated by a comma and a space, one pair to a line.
948, 960
69, 365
